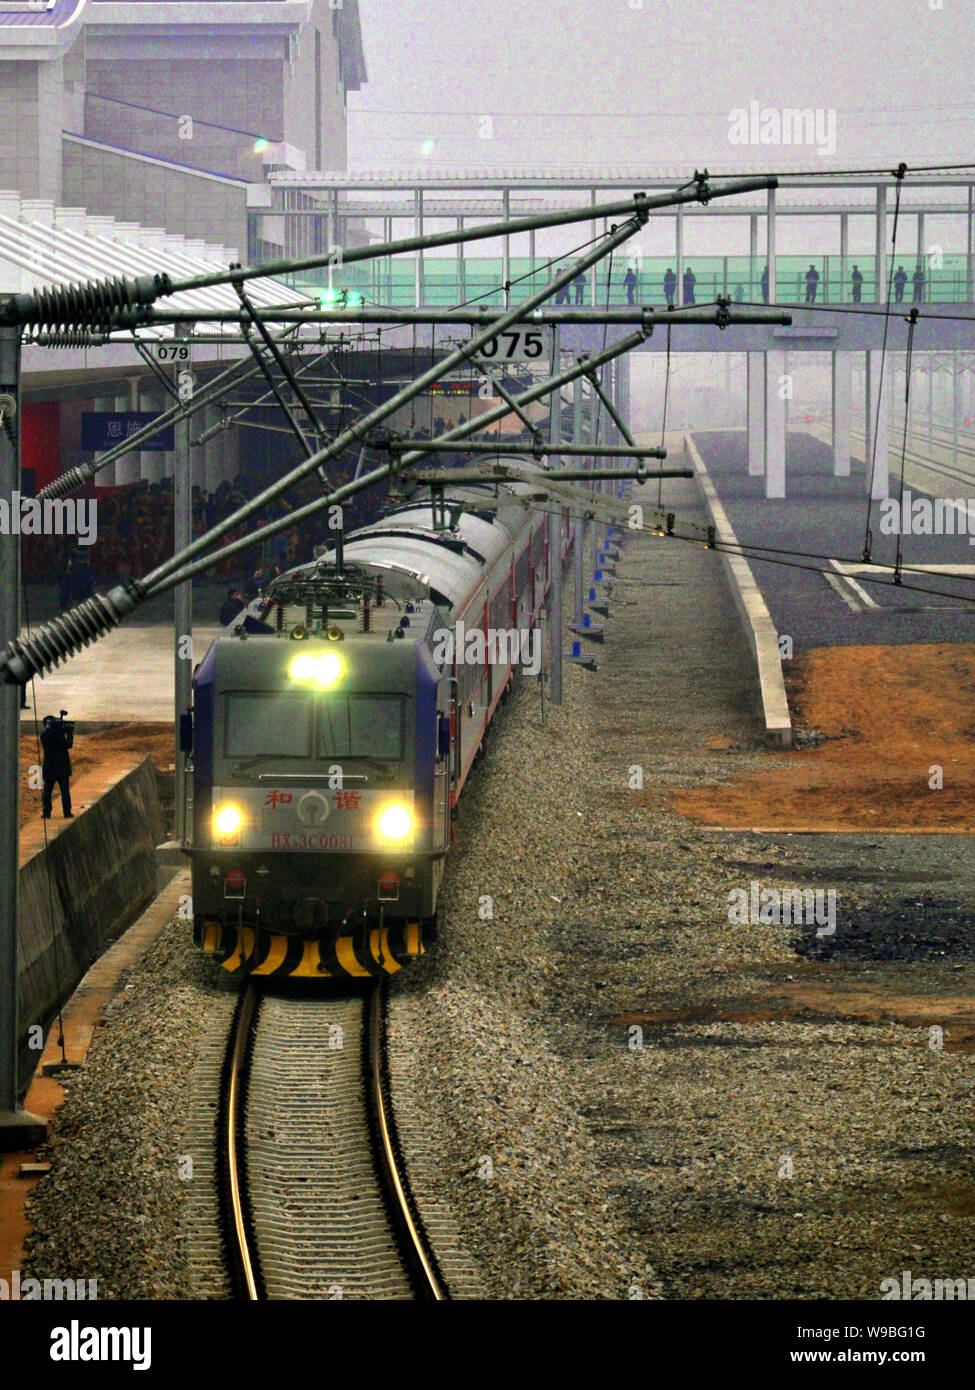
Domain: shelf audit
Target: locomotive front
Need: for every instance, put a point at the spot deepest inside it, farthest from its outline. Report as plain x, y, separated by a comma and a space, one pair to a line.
321, 796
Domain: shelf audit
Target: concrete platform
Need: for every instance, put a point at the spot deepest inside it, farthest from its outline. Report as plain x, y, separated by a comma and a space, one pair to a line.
128, 675
763, 639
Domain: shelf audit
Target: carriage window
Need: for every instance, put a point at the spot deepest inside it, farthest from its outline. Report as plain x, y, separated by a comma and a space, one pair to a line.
275, 724
360, 726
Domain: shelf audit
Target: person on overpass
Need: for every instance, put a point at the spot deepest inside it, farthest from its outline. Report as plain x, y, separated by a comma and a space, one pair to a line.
580, 284
812, 280
765, 284
900, 280
918, 279
856, 280
629, 282
690, 280
670, 285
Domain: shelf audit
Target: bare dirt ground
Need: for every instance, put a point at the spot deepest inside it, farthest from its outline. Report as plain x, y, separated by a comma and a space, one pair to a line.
894, 722
95, 758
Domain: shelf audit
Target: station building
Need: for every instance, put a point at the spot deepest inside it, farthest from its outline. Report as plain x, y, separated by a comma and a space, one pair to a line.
136, 137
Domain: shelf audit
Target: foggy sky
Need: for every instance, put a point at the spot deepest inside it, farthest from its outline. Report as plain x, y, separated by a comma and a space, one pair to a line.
599, 82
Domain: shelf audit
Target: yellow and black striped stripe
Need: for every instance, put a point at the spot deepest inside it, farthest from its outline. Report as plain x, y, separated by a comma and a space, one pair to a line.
251, 951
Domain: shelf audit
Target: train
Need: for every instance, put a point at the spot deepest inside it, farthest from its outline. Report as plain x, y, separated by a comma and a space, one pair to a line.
335, 723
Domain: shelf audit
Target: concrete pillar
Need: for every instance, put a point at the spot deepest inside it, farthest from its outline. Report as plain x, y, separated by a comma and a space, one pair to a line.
231, 455
842, 413
878, 394
880, 248
105, 477
127, 467
418, 257
594, 270
775, 417
387, 265
844, 252
506, 247
622, 401
679, 293
213, 449
755, 390
461, 277
153, 467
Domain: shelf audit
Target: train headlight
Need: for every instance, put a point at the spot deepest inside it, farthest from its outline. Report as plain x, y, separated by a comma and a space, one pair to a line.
302, 667
328, 668
227, 820
324, 669
395, 822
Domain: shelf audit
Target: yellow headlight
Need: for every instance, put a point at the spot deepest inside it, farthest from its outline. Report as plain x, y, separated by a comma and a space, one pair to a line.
324, 669
227, 820
395, 822
302, 667
328, 668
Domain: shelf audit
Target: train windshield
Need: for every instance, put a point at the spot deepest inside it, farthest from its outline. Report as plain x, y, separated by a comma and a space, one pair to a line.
360, 726
268, 725
300, 724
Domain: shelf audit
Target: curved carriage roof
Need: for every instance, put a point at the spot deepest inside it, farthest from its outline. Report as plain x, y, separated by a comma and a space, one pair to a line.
405, 541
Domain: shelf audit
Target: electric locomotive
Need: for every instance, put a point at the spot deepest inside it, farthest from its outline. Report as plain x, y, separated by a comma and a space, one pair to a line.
333, 728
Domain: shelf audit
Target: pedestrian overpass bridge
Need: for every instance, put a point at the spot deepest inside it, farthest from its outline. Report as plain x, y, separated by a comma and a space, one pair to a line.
754, 248
733, 248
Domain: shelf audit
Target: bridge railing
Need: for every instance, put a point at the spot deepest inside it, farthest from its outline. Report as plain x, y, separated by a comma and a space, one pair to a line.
445, 282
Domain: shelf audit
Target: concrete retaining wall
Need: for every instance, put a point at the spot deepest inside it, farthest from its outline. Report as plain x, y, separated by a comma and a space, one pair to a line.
80, 892
756, 619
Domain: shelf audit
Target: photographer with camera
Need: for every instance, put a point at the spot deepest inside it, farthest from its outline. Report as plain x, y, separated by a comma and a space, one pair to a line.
57, 738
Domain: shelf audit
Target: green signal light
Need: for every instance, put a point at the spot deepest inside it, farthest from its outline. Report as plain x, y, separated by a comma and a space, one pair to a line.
338, 299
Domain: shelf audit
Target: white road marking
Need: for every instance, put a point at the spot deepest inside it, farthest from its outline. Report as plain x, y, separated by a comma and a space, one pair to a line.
844, 570
839, 584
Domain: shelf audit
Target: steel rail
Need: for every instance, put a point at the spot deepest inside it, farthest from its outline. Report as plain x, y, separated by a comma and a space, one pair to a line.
233, 1132
426, 1272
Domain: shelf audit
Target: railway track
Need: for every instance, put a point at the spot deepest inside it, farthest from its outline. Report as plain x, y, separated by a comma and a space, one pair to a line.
315, 1200
916, 458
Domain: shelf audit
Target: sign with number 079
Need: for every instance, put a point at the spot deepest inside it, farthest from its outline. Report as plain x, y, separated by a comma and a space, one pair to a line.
171, 352
520, 343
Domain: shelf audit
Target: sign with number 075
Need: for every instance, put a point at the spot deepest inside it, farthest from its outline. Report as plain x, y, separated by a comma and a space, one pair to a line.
520, 343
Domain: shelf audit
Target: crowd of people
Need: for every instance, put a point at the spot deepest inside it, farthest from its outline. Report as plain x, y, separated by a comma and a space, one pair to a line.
135, 534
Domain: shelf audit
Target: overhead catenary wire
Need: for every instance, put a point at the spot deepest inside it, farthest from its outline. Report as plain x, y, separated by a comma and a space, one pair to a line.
746, 552
94, 617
